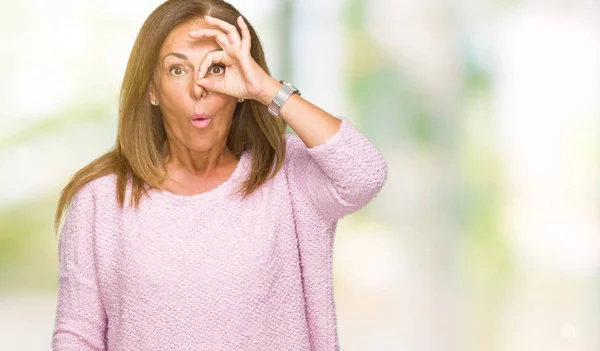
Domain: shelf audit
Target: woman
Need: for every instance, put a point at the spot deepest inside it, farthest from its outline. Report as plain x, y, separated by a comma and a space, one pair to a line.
188, 263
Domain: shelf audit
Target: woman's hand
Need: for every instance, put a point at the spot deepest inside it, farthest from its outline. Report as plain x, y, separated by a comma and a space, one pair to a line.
243, 77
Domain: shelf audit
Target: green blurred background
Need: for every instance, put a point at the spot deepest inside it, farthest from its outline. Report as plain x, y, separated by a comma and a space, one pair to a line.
486, 235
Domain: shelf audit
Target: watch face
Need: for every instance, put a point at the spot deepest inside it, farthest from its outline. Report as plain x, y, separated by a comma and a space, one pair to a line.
293, 87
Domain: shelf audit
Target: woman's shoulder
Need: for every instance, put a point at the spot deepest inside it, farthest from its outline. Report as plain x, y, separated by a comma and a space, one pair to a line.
104, 184
295, 147
296, 153
99, 189
88, 199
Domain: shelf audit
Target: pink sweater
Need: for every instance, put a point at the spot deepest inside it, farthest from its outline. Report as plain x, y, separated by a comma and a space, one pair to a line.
209, 271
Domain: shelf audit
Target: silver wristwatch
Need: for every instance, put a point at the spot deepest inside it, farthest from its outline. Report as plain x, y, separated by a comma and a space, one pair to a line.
282, 96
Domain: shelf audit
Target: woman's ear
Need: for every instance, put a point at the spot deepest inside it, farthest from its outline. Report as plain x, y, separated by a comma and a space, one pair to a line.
151, 90
152, 93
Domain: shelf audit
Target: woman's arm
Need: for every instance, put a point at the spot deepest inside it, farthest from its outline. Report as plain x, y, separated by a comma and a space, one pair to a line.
311, 123
80, 322
339, 169
344, 173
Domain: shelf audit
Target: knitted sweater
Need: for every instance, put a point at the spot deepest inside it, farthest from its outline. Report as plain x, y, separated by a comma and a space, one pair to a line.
212, 271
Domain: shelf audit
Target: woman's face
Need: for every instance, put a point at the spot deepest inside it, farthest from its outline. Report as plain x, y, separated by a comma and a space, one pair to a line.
180, 98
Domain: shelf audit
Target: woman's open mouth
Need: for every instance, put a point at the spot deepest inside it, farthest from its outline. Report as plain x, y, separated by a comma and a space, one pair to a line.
200, 120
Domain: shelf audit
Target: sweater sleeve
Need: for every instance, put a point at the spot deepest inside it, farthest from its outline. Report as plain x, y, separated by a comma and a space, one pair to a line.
341, 175
80, 322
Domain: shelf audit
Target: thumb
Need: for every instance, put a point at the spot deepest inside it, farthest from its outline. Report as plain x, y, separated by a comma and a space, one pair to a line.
207, 84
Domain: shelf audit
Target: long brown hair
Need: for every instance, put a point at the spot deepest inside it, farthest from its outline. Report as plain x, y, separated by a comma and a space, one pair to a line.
141, 136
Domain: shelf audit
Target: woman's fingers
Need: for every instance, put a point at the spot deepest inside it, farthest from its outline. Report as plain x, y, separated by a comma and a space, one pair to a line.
212, 58
245, 35
231, 30
220, 37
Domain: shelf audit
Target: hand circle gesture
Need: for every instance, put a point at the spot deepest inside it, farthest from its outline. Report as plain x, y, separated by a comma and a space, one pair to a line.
243, 78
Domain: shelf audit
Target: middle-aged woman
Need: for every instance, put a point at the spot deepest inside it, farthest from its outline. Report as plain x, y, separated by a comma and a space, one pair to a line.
157, 250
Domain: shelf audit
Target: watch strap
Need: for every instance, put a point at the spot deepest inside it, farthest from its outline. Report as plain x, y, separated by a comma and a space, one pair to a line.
282, 96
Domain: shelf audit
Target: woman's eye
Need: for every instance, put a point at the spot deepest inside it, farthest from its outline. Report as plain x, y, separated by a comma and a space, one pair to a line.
217, 70
177, 71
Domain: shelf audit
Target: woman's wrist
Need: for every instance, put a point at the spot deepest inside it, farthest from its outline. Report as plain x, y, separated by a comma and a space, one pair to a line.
270, 91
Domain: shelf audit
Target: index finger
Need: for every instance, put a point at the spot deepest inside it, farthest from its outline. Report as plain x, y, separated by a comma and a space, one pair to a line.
231, 30
246, 38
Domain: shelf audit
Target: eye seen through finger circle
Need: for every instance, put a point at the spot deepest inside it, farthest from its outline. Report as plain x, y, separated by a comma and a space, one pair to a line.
217, 70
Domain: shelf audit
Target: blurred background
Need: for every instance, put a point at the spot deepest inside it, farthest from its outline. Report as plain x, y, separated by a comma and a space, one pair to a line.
486, 235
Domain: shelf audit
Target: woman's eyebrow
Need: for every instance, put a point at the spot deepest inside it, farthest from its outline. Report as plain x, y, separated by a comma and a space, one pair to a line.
176, 54
182, 56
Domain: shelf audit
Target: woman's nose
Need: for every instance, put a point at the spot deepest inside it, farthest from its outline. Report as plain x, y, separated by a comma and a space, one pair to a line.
198, 91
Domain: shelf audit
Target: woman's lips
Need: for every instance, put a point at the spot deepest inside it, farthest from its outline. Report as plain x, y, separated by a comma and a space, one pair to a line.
200, 120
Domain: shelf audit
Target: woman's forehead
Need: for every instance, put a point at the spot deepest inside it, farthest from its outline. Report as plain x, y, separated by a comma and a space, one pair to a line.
179, 41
